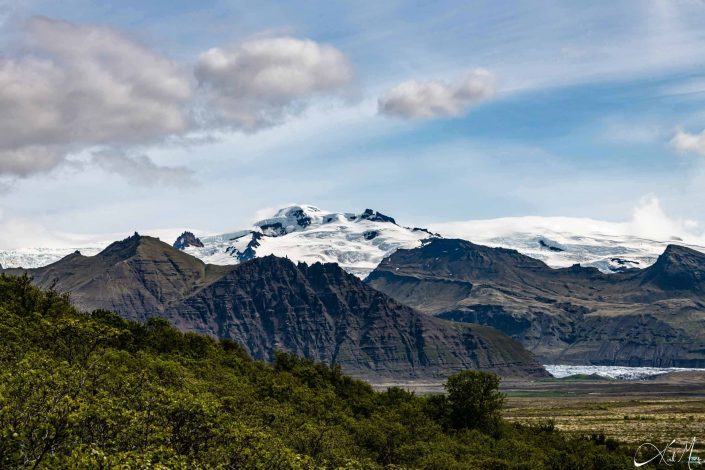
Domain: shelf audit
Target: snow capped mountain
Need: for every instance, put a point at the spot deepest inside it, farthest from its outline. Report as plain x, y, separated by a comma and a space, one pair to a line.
565, 241
357, 242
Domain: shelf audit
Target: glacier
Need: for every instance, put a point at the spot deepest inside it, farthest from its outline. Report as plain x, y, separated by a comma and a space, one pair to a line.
305, 233
359, 241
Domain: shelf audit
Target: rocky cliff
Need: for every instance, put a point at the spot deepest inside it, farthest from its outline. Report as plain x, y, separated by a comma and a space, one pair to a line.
137, 277
649, 317
270, 303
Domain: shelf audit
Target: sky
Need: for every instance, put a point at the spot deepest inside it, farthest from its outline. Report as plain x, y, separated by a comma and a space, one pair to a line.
163, 115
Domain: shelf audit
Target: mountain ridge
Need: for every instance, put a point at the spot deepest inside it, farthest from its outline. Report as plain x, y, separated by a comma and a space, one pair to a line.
575, 315
271, 303
359, 241
96, 282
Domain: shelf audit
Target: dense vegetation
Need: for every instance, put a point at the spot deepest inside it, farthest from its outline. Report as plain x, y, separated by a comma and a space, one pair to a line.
96, 391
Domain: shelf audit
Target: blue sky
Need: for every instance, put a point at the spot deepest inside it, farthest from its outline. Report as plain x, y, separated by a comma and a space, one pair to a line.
580, 117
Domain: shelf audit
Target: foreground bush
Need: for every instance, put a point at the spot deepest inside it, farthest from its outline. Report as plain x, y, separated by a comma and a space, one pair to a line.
96, 391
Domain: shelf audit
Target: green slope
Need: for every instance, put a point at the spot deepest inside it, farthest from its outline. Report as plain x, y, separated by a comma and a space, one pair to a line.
97, 391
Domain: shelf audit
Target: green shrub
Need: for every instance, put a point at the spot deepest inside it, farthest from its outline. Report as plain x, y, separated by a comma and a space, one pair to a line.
97, 391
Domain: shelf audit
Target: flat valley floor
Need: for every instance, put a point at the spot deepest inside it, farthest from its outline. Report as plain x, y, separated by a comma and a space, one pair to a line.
657, 410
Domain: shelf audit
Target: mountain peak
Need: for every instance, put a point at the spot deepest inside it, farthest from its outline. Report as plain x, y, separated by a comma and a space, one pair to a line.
681, 258
290, 219
124, 247
296, 209
131, 276
678, 268
376, 216
455, 248
680, 250
301, 216
324, 313
455, 260
187, 239
356, 241
139, 246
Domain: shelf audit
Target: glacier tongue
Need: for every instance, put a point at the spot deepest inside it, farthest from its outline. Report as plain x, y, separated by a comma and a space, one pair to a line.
560, 371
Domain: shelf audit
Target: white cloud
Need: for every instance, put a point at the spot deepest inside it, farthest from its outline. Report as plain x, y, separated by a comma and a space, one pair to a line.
648, 220
20, 233
686, 142
81, 86
24, 232
29, 159
78, 87
262, 81
418, 100
141, 170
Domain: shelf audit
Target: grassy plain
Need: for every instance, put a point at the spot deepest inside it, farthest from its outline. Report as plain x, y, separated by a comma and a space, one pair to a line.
656, 411
671, 406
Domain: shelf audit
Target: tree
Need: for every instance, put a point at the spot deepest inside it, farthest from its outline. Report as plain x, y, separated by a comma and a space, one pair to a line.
474, 401
98, 391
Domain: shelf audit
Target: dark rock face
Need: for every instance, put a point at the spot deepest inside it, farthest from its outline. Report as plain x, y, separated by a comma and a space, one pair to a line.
431, 234
678, 269
302, 219
649, 317
275, 229
250, 251
322, 312
370, 235
375, 216
624, 265
270, 303
543, 244
187, 239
